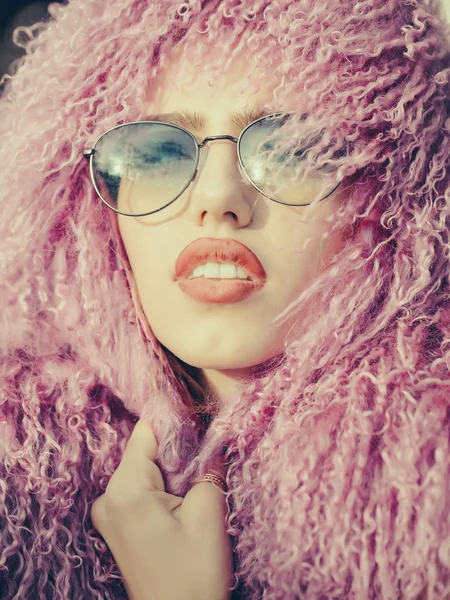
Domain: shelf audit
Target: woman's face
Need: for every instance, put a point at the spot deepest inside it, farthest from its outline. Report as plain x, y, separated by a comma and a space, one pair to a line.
223, 339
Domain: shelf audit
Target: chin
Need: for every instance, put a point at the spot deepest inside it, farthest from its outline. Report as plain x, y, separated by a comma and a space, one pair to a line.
228, 358
222, 363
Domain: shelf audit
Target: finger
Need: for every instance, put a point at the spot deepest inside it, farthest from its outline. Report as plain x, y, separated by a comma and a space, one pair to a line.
205, 503
137, 469
203, 510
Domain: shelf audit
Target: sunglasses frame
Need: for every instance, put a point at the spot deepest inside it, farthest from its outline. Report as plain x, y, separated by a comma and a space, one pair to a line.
90, 152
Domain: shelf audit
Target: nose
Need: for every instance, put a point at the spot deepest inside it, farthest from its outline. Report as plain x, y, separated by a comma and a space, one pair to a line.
219, 191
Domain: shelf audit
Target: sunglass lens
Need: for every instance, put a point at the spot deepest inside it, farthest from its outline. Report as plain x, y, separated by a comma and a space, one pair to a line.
142, 167
279, 174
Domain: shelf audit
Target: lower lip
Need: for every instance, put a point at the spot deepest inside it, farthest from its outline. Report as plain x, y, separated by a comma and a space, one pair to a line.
219, 291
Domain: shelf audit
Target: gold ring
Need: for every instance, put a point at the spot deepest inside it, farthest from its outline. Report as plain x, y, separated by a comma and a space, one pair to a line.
213, 478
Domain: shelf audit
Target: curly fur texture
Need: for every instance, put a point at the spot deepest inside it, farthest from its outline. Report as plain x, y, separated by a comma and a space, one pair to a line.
339, 454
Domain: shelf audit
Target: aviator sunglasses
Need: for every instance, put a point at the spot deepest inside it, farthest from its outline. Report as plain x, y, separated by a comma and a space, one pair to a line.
140, 168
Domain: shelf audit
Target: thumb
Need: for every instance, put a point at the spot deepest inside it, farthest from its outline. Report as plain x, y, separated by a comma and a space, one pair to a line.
136, 473
137, 468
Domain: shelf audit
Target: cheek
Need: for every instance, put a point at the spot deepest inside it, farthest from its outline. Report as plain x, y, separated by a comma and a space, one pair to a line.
147, 263
302, 249
142, 248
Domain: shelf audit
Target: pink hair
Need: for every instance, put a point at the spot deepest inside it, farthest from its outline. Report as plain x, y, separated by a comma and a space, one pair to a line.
339, 453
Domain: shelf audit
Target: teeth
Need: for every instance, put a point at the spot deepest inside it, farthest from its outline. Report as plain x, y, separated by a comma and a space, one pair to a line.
213, 270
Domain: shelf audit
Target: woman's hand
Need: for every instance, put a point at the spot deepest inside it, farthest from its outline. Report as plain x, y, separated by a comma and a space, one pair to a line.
166, 547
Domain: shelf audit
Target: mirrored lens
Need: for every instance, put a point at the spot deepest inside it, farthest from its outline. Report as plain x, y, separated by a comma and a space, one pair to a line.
281, 174
142, 167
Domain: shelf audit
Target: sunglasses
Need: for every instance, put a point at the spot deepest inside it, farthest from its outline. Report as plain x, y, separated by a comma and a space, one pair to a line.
140, 168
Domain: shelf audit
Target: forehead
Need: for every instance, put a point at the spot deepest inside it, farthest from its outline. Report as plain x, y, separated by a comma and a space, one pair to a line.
184, 85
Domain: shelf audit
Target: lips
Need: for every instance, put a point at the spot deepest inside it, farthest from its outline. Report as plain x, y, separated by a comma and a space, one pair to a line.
204, 250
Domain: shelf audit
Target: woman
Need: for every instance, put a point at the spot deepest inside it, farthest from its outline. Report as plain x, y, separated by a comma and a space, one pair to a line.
305, 142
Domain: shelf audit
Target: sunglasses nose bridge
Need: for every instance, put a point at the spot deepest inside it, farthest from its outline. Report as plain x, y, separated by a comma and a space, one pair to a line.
203, 155
217, 137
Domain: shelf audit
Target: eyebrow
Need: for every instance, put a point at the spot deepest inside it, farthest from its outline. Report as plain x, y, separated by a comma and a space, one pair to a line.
197, 120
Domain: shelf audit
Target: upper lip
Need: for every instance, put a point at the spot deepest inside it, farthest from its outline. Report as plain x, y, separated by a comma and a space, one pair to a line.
202, 250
